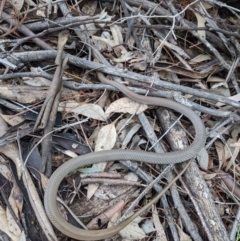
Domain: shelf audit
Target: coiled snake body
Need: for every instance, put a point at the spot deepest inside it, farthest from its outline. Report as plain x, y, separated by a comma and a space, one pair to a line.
148, 157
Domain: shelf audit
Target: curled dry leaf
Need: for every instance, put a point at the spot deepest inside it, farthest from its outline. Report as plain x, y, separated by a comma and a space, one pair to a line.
125, 105
90, 110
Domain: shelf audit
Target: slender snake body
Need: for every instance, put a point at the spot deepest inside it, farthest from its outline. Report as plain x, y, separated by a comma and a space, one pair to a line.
148, 157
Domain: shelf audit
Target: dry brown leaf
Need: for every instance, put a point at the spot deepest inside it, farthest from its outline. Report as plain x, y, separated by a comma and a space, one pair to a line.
203, 159
158, 225
209, 176
132, 231
220, 152
103, 43
4, 225
44, 181
130, 132
228, 150
90, 110
147, 226
12, 225
200, 58
89, 7
92, 139
17, 196
183, 236
201, 24
4, 170
36, 81
106, 140
17, 4
124, 58
233, 157
12, 120
125, 105
215, 79
105, 216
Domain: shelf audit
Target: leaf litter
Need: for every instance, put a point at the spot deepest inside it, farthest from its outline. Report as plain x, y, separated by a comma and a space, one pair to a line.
194, 44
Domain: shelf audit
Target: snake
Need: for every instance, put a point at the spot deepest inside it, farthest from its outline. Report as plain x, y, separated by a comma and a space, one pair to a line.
70, 166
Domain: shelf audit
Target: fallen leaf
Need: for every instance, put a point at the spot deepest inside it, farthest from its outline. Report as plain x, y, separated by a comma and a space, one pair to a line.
228, 150
124, 58
17, 4
41, 11
215, 79
105, 216
147, 226
200, 58
44, 181
130, 132
4, 170
201, 24
132, 231
92, 139
233, 157
183, 236
4, 225
131, 176
89, 7
125, 105
90, 110
12, 120
12, 225
209, 176
160, 234
220, 152
203, 158
106, 140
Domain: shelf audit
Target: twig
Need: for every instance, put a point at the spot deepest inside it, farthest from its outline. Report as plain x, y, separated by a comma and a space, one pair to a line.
22, 28
40, 55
